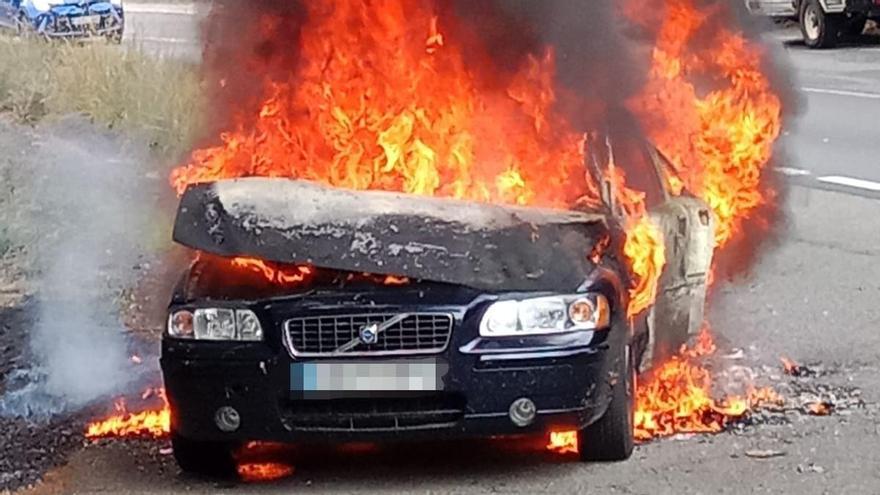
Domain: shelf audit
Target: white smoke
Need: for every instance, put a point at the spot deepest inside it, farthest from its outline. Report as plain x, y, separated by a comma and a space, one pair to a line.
91, 207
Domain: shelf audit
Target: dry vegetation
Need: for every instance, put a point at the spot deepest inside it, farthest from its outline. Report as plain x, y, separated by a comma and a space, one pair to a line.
151, 98
125, 95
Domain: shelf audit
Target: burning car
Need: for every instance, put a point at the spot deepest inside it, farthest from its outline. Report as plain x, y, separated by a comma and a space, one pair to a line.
313, 313
65, 19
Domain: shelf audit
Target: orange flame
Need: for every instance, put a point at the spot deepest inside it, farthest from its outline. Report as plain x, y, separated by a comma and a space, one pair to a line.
262, 472
563, 442
790, 367
272, 271
124, 423
820, 408
721, 141
677, 397
396, 108
645, 251
394, 280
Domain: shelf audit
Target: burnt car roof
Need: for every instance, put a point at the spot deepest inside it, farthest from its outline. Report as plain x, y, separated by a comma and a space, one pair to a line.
484, 246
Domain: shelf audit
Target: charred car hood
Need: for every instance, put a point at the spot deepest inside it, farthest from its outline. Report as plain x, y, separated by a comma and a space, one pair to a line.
483, 246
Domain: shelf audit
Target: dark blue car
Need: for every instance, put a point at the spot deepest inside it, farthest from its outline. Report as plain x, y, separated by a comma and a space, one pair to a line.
68, 19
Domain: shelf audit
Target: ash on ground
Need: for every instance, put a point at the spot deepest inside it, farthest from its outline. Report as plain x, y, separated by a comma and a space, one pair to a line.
57, 248
29, 447
806, 390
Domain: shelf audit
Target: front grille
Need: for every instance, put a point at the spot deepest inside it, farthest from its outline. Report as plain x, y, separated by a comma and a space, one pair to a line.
386, 414
412, 333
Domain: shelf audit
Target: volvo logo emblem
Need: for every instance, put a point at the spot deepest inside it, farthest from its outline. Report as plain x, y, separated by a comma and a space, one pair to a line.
370, 334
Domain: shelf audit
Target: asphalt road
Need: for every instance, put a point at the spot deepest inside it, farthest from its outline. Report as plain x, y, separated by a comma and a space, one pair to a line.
835, 139
812, 297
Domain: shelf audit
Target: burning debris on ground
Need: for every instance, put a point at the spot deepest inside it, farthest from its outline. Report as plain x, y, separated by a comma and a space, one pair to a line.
822, 398
678, 397
799, 370
803, 394
141, 421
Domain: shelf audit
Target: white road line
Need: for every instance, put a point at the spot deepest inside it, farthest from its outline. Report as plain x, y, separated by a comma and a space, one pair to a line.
851, 182
795, 172
840, 92
161, 8
170, 41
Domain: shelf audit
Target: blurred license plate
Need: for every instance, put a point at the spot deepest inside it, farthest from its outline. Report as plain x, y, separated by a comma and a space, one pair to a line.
87, 20
423, 375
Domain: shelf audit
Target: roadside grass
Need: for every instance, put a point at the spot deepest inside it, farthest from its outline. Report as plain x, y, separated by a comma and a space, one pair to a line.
157, 99
141, 99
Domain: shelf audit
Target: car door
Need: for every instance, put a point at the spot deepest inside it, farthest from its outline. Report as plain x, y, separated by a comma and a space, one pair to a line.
687, 227
695, 221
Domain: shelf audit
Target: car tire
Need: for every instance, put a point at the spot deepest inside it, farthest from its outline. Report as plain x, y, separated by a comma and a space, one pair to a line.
820, 30
214, 459
611, 438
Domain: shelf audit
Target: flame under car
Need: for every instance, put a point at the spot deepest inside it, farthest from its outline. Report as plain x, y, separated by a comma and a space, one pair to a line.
320, 314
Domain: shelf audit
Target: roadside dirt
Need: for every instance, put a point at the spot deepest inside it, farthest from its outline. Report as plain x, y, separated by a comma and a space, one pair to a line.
34, 219
29, 448
801, 454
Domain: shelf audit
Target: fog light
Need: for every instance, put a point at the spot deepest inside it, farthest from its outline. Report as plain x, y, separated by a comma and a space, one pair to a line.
227, 419
522, 412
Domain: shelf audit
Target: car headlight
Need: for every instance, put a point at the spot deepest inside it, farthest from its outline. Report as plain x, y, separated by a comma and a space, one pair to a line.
546, 315
215, 324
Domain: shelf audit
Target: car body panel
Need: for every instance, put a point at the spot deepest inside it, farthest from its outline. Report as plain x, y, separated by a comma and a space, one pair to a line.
445, 240
569, 377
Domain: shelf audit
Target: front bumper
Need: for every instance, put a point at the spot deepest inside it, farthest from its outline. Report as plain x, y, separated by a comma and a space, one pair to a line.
570, 385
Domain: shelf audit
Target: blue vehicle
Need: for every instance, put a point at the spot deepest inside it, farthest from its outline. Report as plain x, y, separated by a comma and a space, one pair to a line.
64, 19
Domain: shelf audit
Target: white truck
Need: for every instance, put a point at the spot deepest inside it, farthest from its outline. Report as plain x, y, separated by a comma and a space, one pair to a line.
823, 22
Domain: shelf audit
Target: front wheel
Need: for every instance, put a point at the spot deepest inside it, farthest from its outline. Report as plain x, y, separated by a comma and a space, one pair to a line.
820, 30
214, 459
611, 437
